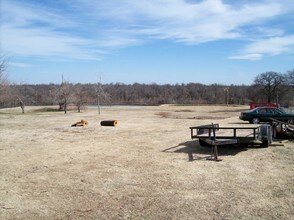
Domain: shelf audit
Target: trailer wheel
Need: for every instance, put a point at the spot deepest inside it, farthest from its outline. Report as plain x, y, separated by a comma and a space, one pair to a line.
203, 143
265, 143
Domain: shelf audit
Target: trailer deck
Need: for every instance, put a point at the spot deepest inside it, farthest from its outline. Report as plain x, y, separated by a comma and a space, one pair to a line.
214, 135
258, 134
262, 135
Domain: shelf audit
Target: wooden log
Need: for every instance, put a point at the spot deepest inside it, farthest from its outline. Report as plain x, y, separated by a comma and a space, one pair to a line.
109, 123
80, 123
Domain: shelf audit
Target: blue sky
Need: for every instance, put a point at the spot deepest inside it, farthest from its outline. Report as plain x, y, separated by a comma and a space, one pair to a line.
146, 41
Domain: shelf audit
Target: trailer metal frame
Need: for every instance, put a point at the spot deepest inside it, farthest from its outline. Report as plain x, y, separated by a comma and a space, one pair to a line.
213, 135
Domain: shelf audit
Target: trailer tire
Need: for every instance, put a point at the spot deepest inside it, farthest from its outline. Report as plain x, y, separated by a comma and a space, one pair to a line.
265, 143
203, 143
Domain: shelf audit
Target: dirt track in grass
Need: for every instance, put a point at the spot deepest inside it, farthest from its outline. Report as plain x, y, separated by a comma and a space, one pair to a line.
145, 168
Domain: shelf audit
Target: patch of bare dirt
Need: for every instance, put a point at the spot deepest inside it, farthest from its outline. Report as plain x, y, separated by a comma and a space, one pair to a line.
189, 114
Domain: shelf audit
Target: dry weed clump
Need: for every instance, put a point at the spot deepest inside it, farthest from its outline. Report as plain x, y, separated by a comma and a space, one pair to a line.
164, 114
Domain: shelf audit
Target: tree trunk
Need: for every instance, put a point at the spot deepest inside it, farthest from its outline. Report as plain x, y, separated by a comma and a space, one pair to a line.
65, 108
21, 105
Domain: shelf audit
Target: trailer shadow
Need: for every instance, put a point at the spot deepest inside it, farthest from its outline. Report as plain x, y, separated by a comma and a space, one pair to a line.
197, 152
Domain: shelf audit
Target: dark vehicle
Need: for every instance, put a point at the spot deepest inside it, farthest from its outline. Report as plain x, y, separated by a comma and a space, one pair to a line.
265, 114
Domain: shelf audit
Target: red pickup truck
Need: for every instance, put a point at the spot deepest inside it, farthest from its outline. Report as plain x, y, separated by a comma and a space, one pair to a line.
268, 104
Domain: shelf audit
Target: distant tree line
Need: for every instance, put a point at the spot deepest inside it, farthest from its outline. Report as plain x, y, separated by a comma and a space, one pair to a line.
145, 94
267, 87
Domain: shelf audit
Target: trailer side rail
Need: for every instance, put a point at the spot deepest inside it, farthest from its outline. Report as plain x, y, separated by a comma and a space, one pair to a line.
205, 131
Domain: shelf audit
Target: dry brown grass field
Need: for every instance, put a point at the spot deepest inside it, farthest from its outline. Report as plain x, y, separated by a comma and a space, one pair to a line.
145, 168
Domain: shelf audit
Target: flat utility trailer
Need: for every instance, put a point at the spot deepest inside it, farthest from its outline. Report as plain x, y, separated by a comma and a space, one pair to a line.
255, 135
214, 135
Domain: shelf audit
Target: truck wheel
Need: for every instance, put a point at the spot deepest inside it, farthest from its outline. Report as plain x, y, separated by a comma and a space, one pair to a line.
255, 120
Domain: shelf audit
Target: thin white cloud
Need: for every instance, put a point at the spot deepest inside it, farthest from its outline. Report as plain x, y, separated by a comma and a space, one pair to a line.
266, 47
88, 29
179, 20
272, 46
248, 56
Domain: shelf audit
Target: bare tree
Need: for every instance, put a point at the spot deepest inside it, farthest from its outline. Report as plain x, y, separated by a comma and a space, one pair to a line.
99, 94
290, 78
5, 90
3, 68
21, 103
65, 95
270, 83
79, 96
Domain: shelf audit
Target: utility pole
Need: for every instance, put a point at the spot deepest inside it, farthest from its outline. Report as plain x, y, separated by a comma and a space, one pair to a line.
98, 91
227, 91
